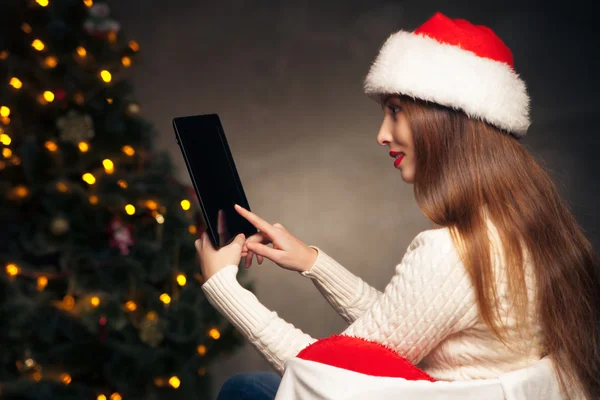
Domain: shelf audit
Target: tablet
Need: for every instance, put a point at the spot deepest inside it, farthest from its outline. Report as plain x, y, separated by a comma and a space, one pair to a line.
214, 176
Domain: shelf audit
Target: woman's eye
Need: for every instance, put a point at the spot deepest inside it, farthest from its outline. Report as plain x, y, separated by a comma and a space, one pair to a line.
394, 109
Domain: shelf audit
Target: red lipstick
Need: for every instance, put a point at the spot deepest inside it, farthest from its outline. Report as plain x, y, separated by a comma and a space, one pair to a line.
398, 155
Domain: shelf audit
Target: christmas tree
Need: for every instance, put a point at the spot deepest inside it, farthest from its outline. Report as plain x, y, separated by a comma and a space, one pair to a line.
100, 293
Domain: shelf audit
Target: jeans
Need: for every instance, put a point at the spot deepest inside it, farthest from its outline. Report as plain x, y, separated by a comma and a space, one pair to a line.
250, 386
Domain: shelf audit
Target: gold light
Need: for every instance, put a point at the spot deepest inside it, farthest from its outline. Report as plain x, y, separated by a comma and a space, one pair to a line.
133, 45
201, 349
4, 111
3, 55
38, 45
185, 204
5, 120
65, 378
79, 98
109, 166
105, 75
151, 204
89, 3
21, 191
81, 51
5, 139
68, 302
126, 61
174, 382
193, 230
101, 397
62, 187
83, 147
6, 152
160, 218
42, 3
15, 82
50, 62
12, 270
130, 209
112, 36
109, 100
48, 96
128, 150
25, 27
42, 282
51, 146
122, 183
181, 280
130, 306
115, 395
151, 316
95, 301
165, 298
93, 199
37, 376
201, 371
214, 333
89, 178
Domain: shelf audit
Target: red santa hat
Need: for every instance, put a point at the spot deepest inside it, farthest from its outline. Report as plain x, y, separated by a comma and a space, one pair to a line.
456, 64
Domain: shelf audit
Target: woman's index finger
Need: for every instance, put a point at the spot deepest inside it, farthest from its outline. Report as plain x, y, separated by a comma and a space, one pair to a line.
255, 220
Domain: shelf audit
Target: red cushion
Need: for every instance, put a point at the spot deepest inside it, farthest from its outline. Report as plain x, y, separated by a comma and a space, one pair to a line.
363, 356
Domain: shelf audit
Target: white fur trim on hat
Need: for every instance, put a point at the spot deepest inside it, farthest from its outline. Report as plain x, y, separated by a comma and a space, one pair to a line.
421, 67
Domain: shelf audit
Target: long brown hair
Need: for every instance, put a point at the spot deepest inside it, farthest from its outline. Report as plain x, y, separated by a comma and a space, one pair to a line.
465, 166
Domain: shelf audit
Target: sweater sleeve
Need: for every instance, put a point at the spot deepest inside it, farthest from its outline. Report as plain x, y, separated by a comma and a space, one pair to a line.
349, 295
275, 339
430, 297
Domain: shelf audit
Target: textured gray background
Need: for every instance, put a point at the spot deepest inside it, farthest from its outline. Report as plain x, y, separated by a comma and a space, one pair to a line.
286, 80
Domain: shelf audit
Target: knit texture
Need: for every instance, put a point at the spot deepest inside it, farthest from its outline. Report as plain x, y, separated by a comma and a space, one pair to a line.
427, 313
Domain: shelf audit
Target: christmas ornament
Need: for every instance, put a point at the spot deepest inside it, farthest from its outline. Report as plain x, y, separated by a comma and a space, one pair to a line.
456, 64
121, 236
99, 23
150, 329
59, 226
75, 127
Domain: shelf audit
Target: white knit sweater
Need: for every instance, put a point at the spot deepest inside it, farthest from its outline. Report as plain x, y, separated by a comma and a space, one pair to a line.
427, 313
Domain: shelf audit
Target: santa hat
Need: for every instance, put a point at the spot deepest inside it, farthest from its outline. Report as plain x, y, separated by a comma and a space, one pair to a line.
456, 64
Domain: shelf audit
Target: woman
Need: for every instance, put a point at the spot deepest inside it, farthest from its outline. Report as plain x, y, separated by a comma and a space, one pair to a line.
507, 279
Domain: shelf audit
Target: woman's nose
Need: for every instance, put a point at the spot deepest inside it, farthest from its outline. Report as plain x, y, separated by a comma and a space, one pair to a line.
383, 136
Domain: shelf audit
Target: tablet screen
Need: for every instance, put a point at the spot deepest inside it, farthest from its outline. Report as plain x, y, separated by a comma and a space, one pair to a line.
214, 175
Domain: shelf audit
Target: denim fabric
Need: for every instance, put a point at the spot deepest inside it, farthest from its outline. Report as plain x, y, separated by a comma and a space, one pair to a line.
250, 386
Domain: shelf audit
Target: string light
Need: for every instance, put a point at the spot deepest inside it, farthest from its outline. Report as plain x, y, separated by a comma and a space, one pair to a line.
79, 98
83, 147
160, 218
214, 333
126, 61
133, 45
106, 76
51, 146
62, 187
25, 27
181, 280
130, 209
50, 62
42, 282
5, 120
151, 204
3, 55
89, 178
21, 191
128, 150
101, 397
109, 166
42, 3
12, 270
174, 382
122, 183
65, 378
15, 82
81, 51
38, 45
115, 395
109, 100
201, 371
185, 204
95, 301
4, 138
112, 36
165, 298
16, 160
89, 3
93, 199
37, 376
6, 152
151, 316
48, 96
4, 111
68, 302
130, 306
201, 349
193, 230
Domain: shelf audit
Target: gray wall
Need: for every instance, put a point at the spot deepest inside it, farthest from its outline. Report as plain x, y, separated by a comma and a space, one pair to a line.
286, 81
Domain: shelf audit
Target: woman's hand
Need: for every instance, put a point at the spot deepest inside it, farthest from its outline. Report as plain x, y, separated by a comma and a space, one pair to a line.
213, 260
288, 251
